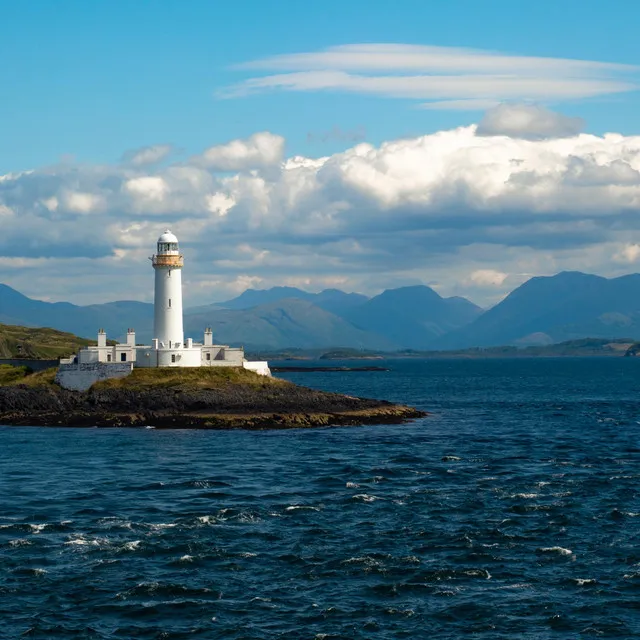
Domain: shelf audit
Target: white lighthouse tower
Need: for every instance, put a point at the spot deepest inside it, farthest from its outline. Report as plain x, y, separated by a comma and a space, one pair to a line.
167, 320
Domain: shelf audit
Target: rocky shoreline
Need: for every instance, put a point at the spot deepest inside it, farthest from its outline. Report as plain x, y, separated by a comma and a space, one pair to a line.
275, 404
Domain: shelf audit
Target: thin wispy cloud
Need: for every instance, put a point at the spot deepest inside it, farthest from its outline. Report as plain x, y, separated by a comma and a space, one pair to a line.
446, 77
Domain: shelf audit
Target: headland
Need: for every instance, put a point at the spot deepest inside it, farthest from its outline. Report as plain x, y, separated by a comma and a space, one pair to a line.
185, 398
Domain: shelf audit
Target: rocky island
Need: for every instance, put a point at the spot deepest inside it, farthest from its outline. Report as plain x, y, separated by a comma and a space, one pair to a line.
200, 398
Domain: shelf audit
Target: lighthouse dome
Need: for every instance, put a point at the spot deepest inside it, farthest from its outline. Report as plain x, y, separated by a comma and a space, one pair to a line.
167, 236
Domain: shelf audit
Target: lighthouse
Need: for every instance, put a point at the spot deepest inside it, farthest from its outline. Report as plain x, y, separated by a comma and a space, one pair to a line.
168, 346
167, 317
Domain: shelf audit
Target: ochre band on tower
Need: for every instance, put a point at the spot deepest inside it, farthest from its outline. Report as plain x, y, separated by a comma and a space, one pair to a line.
171, 261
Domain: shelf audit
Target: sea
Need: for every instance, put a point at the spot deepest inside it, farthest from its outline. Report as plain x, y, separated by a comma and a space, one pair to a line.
511, 511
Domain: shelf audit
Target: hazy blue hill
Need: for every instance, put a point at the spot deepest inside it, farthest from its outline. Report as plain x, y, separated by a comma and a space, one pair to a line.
567, 306
284, 323
332, 300
413, 316
115, 317
338, 302
254, 297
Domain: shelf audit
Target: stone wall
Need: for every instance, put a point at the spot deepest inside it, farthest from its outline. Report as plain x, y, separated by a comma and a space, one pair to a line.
79, 377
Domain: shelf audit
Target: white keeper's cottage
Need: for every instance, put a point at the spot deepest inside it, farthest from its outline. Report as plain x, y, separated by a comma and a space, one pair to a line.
168, 348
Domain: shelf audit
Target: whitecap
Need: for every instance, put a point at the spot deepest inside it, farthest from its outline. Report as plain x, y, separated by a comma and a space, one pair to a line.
160, 525
402, 612
525, 496
450, 458
559, 550
20, 542
582, 581
364, 497
248, 517
207, 519
301, 507
352, 485
247, 554
82, 541
480, 573
37, 528
517, 585
412, 559
186, 558
131, 546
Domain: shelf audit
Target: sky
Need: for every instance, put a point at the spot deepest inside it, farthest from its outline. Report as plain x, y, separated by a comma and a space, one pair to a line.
360, 145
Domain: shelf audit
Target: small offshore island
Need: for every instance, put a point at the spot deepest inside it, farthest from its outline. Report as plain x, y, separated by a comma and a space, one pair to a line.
173, 382
185, 398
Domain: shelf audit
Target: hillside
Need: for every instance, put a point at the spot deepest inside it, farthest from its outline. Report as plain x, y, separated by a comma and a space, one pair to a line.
413, 317
284, 323
546, 310
115, 317
42, 344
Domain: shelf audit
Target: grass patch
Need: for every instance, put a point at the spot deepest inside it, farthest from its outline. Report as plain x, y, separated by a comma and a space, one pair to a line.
38, 343
10, 376
188, 377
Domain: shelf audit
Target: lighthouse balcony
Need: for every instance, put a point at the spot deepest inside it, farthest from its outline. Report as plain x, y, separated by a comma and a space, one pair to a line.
170, 261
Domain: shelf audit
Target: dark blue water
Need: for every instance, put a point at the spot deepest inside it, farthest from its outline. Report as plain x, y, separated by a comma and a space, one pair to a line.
513, 511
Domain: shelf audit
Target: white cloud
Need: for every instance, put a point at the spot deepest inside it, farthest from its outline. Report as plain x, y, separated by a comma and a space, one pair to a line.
82, 202
148, 155
260, 150
449, 77
529, 121
147, 188
628, 254
488, 277
219, 203
454, 208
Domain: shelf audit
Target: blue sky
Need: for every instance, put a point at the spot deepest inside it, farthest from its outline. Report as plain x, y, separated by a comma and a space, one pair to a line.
353, 144
89, 80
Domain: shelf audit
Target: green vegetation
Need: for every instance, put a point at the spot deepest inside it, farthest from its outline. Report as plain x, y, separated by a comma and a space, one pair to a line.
10, 376
189, 378
38, 343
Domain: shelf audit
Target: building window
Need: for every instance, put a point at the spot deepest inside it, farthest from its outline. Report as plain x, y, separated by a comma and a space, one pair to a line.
123, 357
173, 357
108, 357
208, 356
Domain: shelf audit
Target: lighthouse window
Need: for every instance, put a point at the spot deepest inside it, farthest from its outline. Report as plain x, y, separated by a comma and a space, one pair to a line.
169, 303
123, 357
173, 357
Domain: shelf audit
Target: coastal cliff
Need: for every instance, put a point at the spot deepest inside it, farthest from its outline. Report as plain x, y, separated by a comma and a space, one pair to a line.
225, 398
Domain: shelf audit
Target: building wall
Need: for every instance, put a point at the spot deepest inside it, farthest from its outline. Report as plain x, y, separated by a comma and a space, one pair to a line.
261, 367
80, 376
221, 356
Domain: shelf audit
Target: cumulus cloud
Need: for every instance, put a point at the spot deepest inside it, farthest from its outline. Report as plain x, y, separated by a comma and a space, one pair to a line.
454, 208
529, 121
148, 155
488, 277
260, 150
448, 77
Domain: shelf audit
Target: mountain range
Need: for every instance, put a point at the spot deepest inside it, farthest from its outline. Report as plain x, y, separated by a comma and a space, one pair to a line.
544, 310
